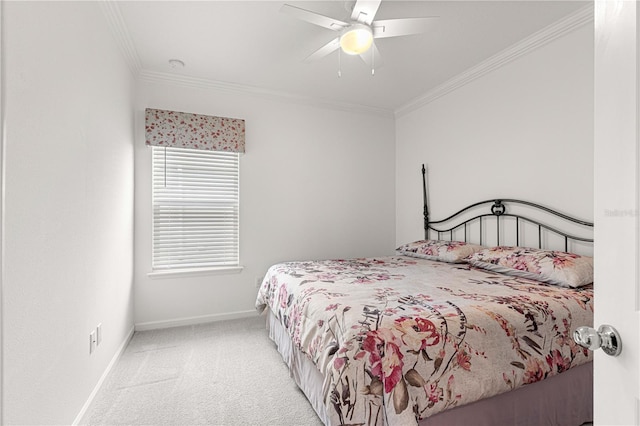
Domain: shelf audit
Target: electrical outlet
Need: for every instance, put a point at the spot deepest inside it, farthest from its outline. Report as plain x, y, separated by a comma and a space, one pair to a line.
99, 334
92, 342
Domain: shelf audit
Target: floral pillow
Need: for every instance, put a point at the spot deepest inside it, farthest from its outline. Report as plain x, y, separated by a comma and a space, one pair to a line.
443, 251
552, 267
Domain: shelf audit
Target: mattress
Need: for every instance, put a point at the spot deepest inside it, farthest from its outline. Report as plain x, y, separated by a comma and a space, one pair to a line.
564, 399
398, 340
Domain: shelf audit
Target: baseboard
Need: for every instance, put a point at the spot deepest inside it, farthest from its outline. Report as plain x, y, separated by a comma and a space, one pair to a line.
177, 322
113, 362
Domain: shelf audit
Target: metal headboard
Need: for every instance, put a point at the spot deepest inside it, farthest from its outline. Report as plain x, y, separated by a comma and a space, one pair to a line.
499, 209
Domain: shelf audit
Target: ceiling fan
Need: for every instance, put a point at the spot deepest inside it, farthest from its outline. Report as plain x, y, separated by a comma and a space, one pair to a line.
356, 36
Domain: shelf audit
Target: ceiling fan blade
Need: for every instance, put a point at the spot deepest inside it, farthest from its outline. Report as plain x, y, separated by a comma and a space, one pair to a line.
400, 27
330, 47
372, 57
314, 18
365, 10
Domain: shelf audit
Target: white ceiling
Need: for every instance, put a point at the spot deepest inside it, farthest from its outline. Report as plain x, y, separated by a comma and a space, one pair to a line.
254, 45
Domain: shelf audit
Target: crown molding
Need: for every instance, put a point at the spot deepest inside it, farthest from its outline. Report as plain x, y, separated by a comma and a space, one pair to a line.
234, 88
119, 29
121, 34
548, 34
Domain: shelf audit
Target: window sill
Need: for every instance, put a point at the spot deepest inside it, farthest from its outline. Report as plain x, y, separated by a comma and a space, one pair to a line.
195, 272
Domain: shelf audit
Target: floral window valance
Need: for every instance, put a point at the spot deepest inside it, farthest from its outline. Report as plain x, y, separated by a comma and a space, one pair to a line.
184, 130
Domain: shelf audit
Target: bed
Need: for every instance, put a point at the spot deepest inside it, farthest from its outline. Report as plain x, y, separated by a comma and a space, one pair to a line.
449, 331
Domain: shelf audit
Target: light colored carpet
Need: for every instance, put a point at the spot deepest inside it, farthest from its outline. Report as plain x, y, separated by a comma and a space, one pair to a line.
221, 373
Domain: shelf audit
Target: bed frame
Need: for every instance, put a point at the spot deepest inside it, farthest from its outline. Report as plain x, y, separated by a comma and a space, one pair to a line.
501, 209
565, 399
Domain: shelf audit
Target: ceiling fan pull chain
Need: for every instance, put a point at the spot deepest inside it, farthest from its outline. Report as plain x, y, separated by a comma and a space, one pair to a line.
373, 59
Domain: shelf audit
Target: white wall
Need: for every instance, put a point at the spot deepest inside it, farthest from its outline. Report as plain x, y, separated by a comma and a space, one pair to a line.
69, 207
522, 131
314, 183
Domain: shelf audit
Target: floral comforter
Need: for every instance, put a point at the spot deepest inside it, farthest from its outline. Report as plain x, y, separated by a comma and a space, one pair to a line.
399, 339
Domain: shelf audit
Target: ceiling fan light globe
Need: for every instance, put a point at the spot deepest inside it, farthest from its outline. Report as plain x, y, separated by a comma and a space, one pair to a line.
356, 40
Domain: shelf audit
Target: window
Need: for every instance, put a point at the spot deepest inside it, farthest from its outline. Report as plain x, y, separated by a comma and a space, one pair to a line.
195, 209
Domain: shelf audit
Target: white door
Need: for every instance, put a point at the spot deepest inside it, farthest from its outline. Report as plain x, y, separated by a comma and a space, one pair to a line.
616, 214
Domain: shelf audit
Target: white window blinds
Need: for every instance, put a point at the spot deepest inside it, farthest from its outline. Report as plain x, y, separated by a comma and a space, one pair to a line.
195, 208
